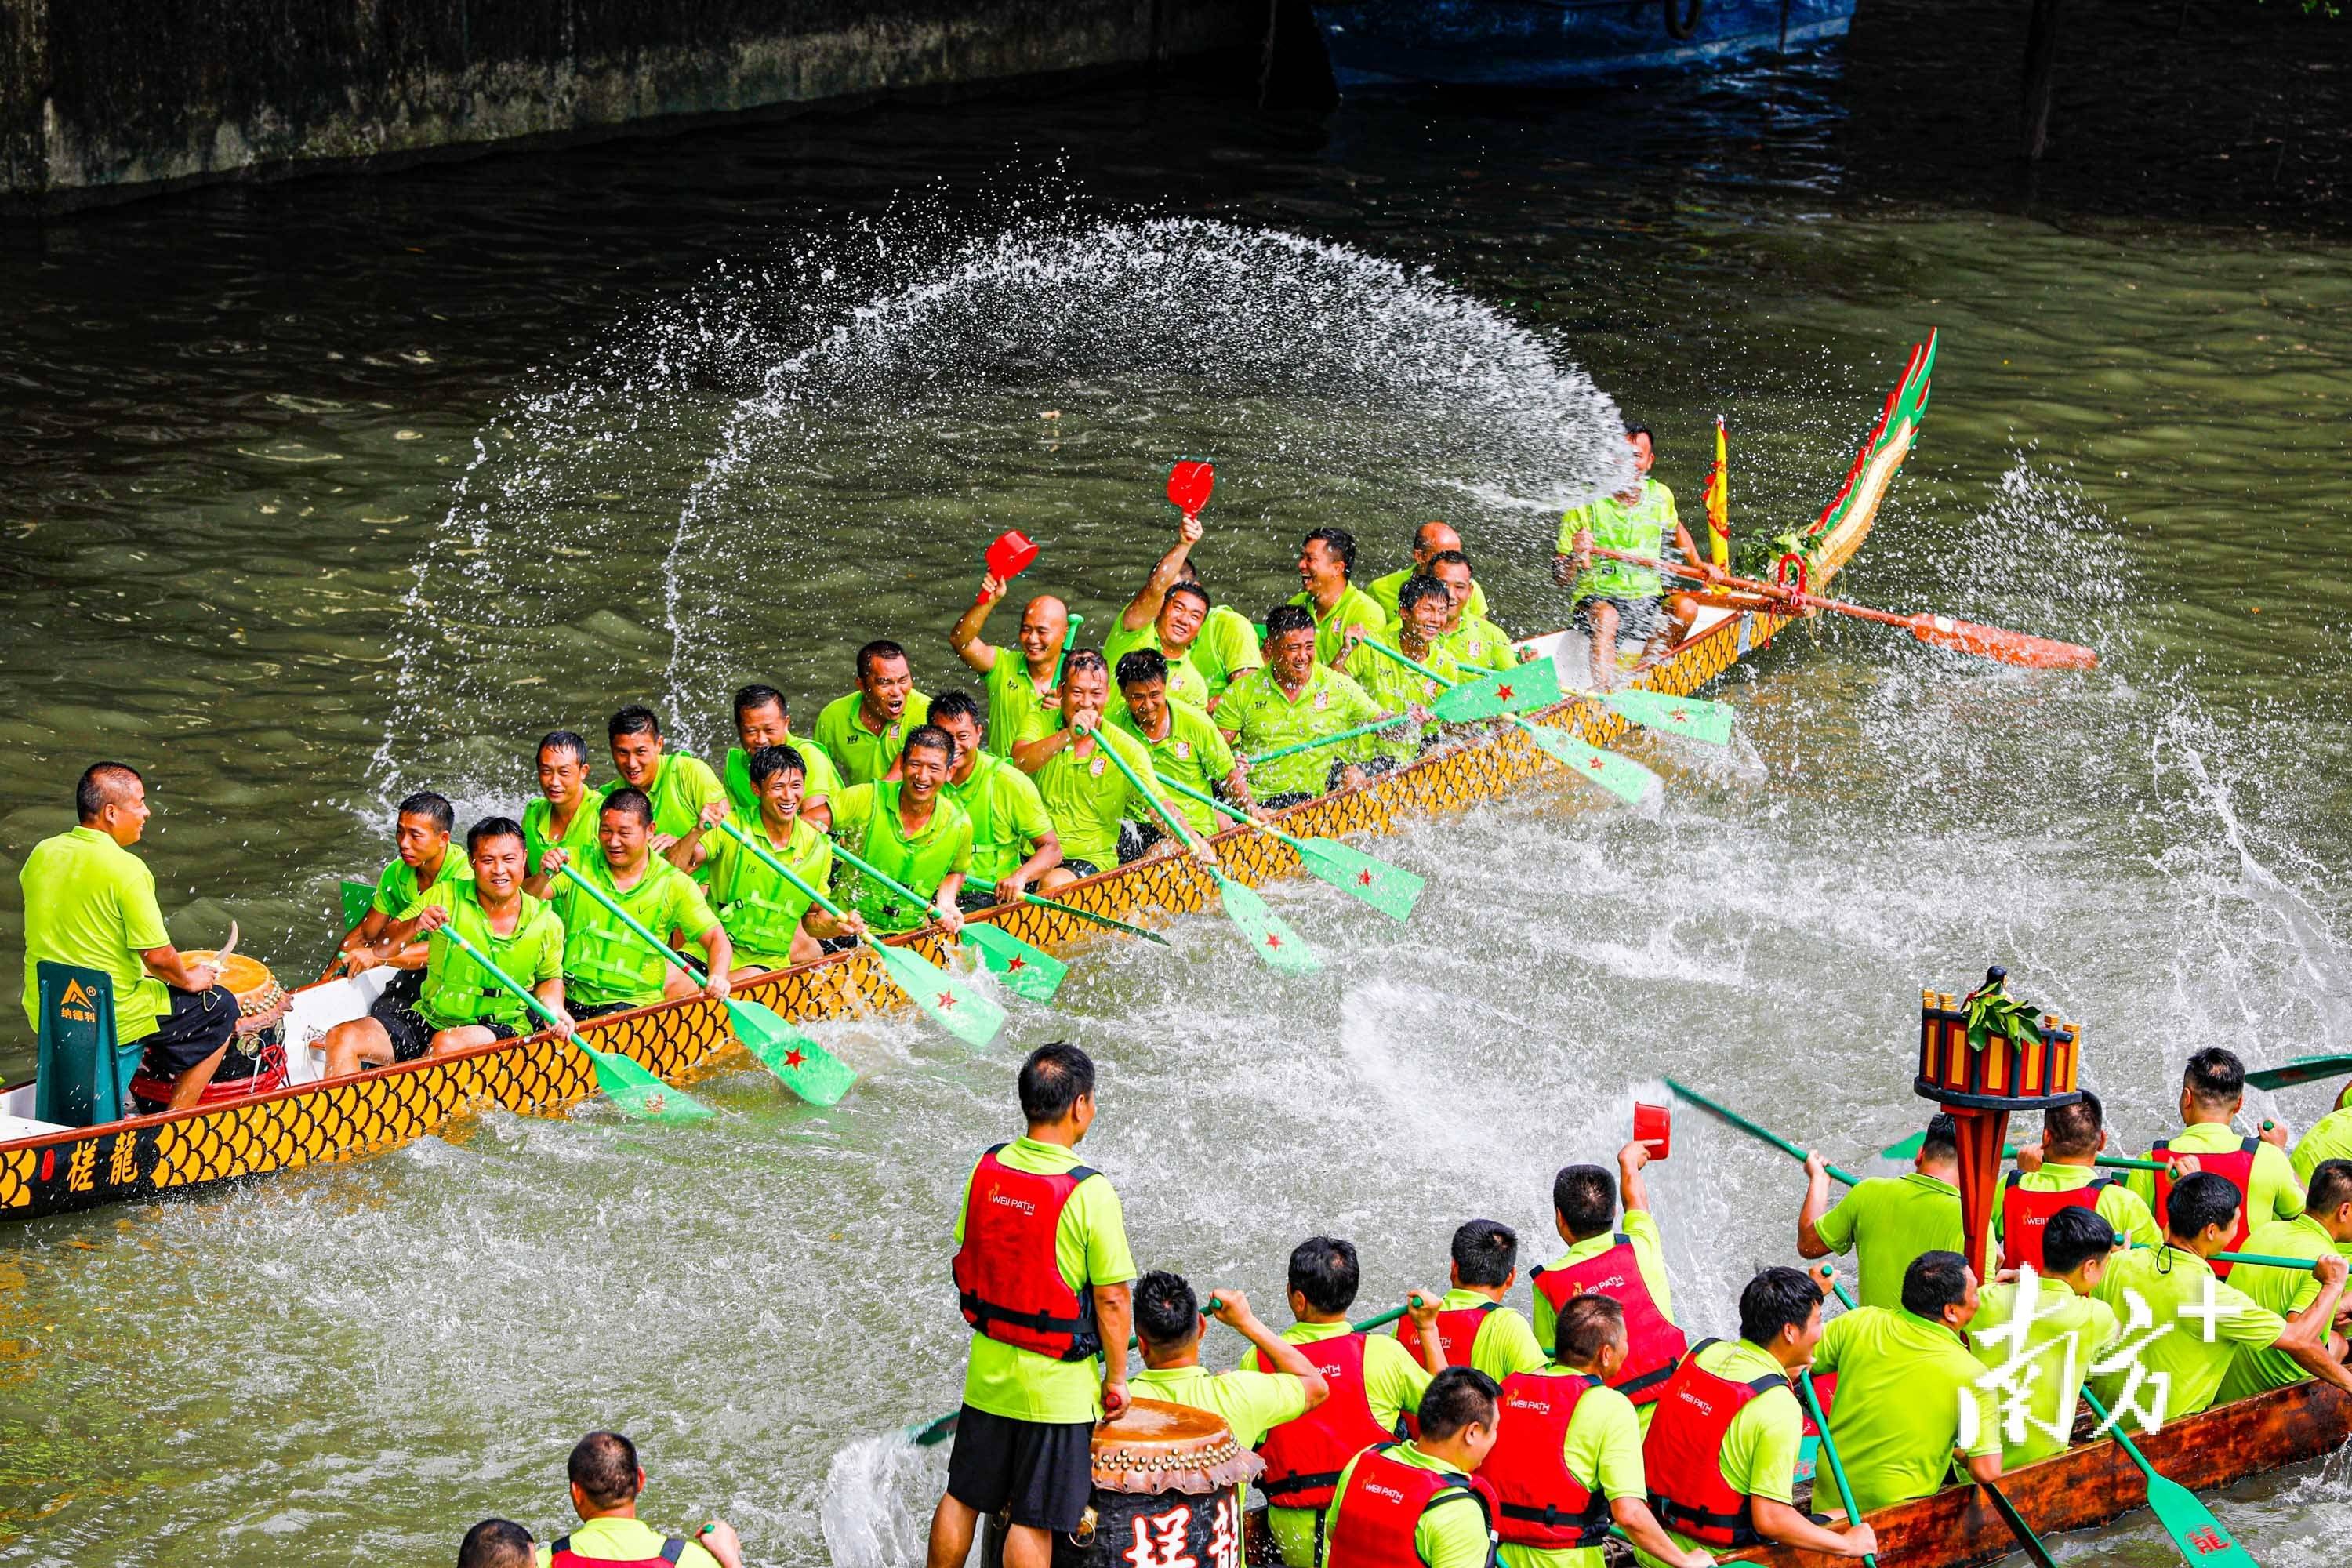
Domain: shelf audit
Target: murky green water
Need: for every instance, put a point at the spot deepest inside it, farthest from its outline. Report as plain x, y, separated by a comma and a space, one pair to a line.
323, 492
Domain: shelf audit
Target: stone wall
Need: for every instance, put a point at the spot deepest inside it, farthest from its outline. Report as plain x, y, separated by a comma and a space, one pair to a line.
106, 97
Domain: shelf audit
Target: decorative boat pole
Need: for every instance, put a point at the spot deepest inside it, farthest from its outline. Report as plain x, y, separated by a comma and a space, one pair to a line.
1981, 1058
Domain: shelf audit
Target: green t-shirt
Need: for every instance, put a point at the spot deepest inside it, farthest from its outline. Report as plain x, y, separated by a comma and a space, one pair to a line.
1641, 1232
1008, 817
866, 816
1227, 647
91, 903
1090, 1250
1478, 645
399, 885
2284, 1292
859, 755
1647, 527
1761, 1444
457, 990
1088, 795
604, 960
2330, 1138
683, 786
1193, 753
2272, 1189
1505, 1344
2067, 1333
759, 909
1383, 591
1012, 700
820, 780
1393, 1382
1395, 687
1353, 609
2117, 1205
1257, 715
1250, 1403
1897, 1415
1452, 1533
1604, 1451
2196, 1354
611, 1540
578, 837
1185, 681
1892, 1221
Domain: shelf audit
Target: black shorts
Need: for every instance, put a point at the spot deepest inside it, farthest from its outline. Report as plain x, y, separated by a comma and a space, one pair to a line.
1043, 1472
200, 1022
412, 1036
580, 1014
1081, 868
1637, 619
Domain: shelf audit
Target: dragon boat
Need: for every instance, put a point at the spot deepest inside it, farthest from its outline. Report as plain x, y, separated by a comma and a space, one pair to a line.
46, 1169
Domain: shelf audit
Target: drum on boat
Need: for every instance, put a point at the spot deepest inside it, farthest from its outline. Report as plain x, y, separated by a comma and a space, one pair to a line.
256, 1062
1166, 1490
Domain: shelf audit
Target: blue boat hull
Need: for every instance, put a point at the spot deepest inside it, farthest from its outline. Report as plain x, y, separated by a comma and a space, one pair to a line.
1504, 42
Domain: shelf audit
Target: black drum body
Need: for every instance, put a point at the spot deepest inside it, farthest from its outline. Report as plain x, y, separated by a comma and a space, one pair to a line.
1126, 1529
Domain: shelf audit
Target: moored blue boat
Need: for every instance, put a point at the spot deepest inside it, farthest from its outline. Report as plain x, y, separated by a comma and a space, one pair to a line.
1532, 42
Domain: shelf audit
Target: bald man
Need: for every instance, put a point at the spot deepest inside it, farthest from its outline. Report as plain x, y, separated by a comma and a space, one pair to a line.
1018, 688
1428, 540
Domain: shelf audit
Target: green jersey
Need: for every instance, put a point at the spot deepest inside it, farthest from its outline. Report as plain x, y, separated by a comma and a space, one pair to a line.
1383, 591
2063, 1334
457, 989
866, 817
1250, 1403
1761, 1444
761, 909
2210, 1321
1896, 1418
2330, 1138
1087, 795
612, 1538
682, 787
1893, 1221
1397, 689
1185, 681
1477, 645
1354, 611
820, 780
604, 960
400, 884
1257, 715
860, 756
2284, 1292
1089, 1249
1012, 700
1393, 1382
1193, 753
2272, 1191
1645, 526
1448, 1535
1228, 647
1602, 1448
90, 902
577, 838
1008, 817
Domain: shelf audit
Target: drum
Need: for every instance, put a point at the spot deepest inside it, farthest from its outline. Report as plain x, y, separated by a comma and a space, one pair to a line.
1168, 1482
256, 1062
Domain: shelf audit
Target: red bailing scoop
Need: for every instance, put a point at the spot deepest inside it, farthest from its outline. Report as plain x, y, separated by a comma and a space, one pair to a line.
1010, 556
1653, 1128
1188, 484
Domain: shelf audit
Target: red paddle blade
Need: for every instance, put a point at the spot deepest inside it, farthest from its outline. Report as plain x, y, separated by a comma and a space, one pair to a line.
1991, 642
1188, 484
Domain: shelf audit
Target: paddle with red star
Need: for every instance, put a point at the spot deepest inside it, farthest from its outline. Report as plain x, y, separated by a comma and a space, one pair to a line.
1027, 970
1391, 890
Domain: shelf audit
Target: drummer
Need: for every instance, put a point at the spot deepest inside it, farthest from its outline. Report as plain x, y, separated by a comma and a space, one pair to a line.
1167, 1324
460, 1003
90, 902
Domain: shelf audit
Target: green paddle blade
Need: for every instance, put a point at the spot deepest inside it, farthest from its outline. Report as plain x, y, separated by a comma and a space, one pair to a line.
1276, 945
1907, 1150
1626, 779
2202, 1539
1519, 690
357, 896
1685, 716
805, 1068
1391, 890
2302, 1070
956, 1006
1027, 970
626, 1083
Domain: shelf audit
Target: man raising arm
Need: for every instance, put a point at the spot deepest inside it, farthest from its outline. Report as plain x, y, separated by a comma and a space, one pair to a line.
1017, 687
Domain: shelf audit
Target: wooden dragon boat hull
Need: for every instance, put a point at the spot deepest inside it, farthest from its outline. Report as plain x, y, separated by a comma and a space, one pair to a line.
2094, 1483
77, 1168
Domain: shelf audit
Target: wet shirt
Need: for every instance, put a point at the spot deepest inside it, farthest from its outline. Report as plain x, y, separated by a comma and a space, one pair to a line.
604, 960
2117, 1204
1892, 1221
457, 989
1477, 645
1229, 645
867, 817
2272, 1189
2206, 1331
820, 780
1641, 1232
1090, 1250
858, 754
758, 906
90, 902
2066, 1331
1013, 700
682, 787
2330, 1138
1602, 1447
1902, 1380
1353, 611
399, 885
1185, 681
1395, 689
1193, 753
1261, 717
1393, 1382
577, 838
1008, 817
1087, 795
2284, 1292
1450, 1534
1383, 591
1761, 1446
1644, 526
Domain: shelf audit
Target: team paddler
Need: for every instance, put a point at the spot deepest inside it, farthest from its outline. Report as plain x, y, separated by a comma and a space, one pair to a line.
90, 902
1423, 605
1342, 612
1429, 541
1473, 1328
607, 967
1616, 599
1293, 698
2055, 1329
565, 811
1887, 1221
1721, 1452
1017, 686
2212, 1092
420, 838
1468, 637
2061, 1170
1373, 1381
1168, 1327
1013, 844
1042, 1271
1207, 646
678, 788
2330, 1138
762, 719
1625, 1261
461, 1003
1903, 1376
606, 1482
1084, 792
912, 832
2322, 1230
1421, 1504
769, 921
1567, 1463
864, 730
1186, 746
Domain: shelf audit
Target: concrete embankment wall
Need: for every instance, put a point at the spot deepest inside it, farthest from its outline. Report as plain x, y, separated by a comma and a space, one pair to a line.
104, 99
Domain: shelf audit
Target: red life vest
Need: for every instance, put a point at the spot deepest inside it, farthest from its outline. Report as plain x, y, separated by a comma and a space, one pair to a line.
2024, 1214
1304, 1456
1383, 1506
1008, 1281
560, 1555
2236, 1168
1687, 1491
1541, 1504
1457, 1336
1652, 1344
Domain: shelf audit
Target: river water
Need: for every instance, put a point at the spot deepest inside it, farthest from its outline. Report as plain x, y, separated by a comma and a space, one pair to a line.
322, 492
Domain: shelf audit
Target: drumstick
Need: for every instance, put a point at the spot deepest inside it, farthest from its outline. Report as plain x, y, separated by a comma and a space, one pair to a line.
227, 947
